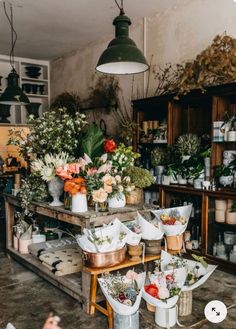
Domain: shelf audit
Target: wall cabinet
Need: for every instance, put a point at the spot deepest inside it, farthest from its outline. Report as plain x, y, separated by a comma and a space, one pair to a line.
36, 86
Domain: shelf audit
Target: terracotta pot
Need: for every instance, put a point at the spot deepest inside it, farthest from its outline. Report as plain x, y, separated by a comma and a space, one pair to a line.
135, 197
135, 252
23, 246
174, 242
104, 259
152, 247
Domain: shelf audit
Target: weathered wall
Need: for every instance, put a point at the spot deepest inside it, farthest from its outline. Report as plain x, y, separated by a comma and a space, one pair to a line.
176, 35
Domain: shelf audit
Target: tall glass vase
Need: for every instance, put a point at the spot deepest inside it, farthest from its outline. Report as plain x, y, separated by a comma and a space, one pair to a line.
55, 189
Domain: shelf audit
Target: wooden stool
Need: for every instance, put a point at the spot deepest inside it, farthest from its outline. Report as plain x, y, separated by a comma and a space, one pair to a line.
95, 272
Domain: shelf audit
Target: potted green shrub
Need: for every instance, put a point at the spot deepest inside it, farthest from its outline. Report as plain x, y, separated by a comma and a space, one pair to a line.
140, 178
224, 174
158, 161
187, 145
231, 215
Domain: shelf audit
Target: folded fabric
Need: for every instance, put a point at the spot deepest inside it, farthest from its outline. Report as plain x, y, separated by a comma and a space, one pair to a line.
37, 249
68, 255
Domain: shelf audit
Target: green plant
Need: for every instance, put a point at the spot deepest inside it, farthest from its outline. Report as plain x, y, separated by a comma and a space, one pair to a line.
139, 177
158, 156
92, 142
222, 170
188, 144
123, 157
70, 101
172, 170
233, 208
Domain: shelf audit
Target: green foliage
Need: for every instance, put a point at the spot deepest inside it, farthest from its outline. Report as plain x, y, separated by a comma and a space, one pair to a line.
158, 156
222, 170
69, 101
140, 177
188, 144
92, 142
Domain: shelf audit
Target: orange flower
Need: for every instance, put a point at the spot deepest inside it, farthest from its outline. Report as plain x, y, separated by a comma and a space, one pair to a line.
75, 185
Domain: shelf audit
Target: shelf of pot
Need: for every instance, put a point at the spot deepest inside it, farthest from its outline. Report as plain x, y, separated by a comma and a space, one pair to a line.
153, 143
33, 79
37, 95
225, 224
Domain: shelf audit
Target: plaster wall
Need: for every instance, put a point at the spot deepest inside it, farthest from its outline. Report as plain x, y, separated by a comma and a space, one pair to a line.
173, 36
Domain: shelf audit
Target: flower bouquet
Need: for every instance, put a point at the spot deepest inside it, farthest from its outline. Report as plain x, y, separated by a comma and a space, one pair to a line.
103, 239
173, 221
197, 271
164, 288
123, 293
149, 231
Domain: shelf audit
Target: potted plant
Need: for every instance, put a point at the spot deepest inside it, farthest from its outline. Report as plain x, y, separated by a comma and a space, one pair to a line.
231, 215
140, 178
158, 160
224, 174
187, 145
170, 174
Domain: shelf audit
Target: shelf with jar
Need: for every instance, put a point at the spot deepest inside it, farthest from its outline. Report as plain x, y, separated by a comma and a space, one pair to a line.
34, 79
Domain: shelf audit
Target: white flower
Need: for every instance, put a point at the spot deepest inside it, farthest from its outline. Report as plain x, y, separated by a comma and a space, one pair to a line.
118, 179
163, 293
120, 188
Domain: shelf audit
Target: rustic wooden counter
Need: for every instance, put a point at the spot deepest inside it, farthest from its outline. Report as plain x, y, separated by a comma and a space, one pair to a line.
77, 285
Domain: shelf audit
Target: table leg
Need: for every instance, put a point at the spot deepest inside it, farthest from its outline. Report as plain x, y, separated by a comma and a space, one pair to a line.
110, 315
86, 284
93, 293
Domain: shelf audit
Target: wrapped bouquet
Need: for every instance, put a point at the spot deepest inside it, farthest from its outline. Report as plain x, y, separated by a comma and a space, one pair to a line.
197, 271
149, 231
173, 221
164, 288
123, 293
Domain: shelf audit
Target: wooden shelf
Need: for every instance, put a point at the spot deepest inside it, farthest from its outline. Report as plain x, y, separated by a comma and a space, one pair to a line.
34, 79
71, 284
37, 95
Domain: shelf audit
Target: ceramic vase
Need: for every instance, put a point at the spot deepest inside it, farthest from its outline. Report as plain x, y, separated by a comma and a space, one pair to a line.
135, 252
117, 201
33, 109
79, 203
55, 189
166, 317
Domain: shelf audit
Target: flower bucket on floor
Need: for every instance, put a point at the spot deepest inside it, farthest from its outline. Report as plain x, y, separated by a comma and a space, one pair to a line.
126, 321
166, 317
185, 303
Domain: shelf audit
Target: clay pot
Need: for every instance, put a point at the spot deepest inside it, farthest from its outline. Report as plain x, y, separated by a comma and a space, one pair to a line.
135, 252
135, 197
174, 242
231, 218
220, 216
151, 308
221, 204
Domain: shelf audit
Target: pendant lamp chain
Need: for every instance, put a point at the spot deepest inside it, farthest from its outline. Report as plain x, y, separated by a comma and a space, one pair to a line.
121, 7
13, 33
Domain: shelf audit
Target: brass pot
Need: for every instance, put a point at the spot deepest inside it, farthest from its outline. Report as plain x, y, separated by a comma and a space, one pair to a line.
104, 259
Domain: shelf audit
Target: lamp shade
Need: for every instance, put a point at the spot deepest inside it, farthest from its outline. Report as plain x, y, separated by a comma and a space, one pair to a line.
13, 95
122, 55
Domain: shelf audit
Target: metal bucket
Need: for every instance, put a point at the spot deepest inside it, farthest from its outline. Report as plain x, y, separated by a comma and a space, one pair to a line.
104, 259
126, 321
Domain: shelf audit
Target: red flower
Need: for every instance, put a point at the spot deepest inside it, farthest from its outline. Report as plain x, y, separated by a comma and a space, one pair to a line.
152, 290
170, 278
109, 145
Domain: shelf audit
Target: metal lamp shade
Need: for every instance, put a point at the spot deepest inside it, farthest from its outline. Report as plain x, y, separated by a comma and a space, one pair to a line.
122, 55
13, 95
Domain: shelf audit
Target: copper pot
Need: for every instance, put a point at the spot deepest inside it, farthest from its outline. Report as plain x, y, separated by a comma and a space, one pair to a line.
104, 259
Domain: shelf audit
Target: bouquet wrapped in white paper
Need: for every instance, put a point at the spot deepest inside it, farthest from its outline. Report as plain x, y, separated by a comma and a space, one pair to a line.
164, 288
103, 239
197, 272
123, 293
173, 221
132, 238
148, 230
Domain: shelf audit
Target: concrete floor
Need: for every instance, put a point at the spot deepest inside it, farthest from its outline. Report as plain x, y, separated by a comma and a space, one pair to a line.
26, 300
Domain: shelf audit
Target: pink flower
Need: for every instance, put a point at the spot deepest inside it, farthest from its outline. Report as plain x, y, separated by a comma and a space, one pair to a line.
91, 171
107, 188
63, 174
131, 275
74, 168
106, 167
82, 163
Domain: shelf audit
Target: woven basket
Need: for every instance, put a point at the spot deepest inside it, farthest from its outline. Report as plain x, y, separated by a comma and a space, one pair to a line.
152, 247
185, 303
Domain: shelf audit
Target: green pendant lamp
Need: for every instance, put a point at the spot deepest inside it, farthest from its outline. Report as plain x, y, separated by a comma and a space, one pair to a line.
13, 94
122, 55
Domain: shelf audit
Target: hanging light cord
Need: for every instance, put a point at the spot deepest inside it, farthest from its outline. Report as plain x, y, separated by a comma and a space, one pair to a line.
13, 33
121, 7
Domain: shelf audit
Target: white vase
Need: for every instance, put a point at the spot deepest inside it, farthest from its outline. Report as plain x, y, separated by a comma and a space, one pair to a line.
79, 203
55, 188
165, 180
166, 317
159, 170
117, 201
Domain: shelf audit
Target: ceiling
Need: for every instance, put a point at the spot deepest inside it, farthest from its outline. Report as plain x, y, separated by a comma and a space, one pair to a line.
50, 28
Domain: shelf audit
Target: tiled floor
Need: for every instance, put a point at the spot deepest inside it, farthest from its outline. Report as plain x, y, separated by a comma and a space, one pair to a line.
26, 300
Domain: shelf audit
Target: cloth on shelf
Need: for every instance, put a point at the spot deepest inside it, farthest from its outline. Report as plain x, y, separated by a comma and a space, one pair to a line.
37, 249
62, 262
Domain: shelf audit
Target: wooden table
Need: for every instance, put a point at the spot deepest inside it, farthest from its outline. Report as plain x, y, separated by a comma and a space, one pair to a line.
95, 272
78, 286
